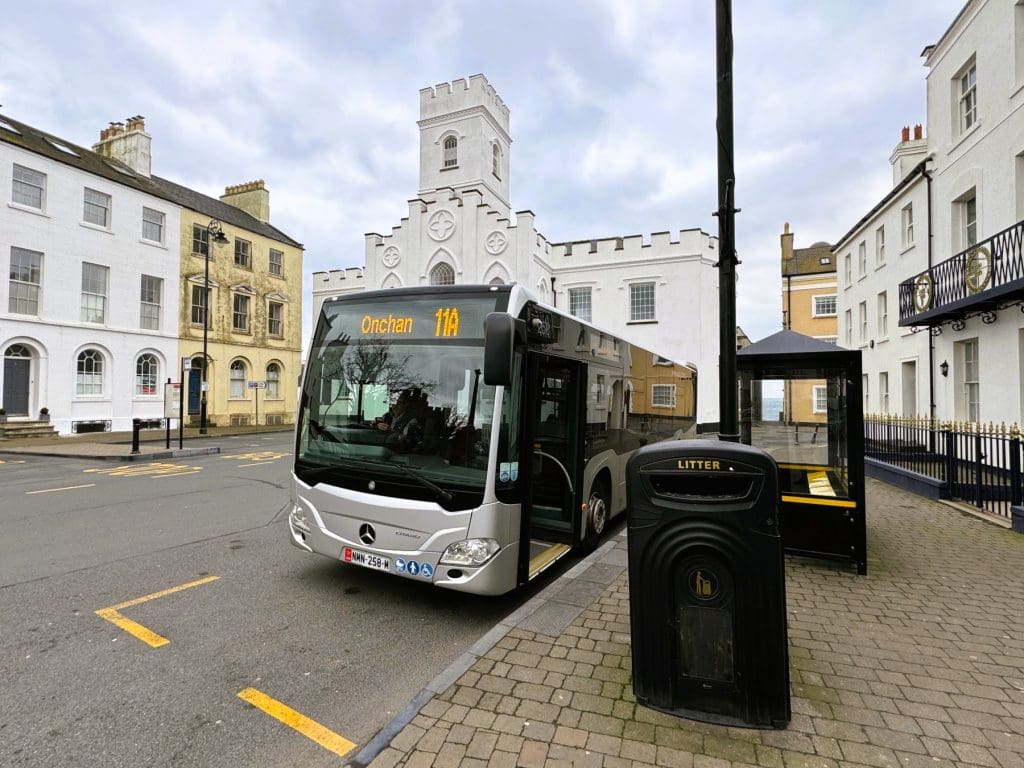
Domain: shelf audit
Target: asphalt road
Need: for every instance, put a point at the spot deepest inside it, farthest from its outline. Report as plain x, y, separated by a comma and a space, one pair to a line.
303, 636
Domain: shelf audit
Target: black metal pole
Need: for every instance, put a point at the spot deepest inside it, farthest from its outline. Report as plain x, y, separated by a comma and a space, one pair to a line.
206, 329
727, 384
167, 420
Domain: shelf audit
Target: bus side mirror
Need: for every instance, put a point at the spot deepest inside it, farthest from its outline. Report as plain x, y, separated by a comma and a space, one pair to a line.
499, 345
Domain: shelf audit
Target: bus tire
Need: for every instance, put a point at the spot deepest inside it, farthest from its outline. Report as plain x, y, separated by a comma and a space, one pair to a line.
597, 515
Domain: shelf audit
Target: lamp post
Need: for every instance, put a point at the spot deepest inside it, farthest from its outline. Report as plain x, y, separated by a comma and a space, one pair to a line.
214, 234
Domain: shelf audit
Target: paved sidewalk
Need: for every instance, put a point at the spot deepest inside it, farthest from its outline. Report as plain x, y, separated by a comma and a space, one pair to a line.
117, 446
919, 664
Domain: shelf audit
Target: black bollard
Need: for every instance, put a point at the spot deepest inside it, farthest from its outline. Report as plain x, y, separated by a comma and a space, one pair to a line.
136, 426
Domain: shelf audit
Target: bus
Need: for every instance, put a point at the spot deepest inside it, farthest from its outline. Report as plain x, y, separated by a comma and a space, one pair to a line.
470, 436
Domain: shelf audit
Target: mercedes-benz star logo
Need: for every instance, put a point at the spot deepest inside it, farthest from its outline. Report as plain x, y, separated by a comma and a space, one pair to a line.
366, 534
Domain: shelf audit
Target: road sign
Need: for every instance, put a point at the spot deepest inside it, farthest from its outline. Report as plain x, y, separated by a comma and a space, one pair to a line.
257, 385
172, 400
186, 364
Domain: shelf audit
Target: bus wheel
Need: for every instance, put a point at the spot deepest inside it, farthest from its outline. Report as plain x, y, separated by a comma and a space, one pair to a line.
597, 515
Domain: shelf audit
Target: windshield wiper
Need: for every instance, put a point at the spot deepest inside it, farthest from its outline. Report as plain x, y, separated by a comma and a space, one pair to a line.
444, 495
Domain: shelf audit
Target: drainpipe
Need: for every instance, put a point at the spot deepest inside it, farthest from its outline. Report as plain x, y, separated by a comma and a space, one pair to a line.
931, 339
554, 296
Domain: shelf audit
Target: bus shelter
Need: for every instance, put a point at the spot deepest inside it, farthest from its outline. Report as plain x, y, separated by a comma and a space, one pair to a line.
801, 401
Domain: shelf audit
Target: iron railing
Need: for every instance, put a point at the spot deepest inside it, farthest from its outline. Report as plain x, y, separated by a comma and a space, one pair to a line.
990, 271
975, 463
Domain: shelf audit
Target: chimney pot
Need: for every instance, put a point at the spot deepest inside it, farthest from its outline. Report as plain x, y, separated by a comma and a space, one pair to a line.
917, 131
906, 133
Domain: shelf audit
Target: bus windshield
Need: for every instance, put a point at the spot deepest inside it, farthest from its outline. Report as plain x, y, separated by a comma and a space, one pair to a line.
394, 401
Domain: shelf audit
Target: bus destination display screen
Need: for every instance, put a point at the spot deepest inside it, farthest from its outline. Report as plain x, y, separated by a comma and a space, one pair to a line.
433, 318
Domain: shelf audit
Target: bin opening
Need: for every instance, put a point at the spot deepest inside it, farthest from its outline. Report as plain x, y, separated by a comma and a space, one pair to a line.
701, 487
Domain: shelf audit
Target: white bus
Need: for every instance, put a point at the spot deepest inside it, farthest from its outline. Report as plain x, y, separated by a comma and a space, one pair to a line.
470, 436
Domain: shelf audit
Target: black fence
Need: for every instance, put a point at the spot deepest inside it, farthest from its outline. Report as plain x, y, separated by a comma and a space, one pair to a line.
978, 464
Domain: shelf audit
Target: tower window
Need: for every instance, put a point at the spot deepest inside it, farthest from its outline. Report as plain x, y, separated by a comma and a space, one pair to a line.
451, 152
496, 161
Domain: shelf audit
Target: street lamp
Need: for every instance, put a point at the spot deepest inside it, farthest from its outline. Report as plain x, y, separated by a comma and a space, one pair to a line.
214, 234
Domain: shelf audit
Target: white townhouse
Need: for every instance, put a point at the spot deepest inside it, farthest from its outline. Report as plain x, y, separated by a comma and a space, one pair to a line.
660, 292
952, 230
89, 312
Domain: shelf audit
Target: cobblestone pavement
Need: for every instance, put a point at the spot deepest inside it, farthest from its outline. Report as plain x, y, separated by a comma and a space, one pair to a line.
919, 664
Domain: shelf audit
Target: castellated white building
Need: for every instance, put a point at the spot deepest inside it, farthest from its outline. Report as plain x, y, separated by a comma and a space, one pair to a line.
660, 292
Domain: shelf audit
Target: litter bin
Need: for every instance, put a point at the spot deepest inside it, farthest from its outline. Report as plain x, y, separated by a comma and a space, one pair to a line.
706, 583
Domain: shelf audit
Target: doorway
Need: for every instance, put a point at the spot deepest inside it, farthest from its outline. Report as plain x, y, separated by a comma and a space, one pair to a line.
17, 380
555, 433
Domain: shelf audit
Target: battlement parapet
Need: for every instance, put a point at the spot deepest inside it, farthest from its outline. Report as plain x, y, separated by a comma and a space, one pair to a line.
462, 94
336, 278
628, 247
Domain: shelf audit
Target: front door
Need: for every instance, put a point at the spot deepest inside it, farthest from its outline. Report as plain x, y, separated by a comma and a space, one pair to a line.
554, 428
195, 385
17, 373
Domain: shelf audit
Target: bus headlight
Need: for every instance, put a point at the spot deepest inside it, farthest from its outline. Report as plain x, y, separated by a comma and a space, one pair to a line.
470, 552
298, 519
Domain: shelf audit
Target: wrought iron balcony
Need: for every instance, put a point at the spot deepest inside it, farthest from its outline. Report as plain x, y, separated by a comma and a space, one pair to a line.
983, 278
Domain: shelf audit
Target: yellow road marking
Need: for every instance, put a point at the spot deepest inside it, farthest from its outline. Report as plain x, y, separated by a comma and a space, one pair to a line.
257, 456
147, 636
311, 729
256, 464
12, 461
140, 470
67, 488
176, 474
113, 613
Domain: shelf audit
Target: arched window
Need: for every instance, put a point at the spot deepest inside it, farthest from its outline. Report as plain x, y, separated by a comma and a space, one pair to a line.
495, 160
89, 380
147, 373
442, 274
496, 281
451, 152
18, 350
237, 379
273, 380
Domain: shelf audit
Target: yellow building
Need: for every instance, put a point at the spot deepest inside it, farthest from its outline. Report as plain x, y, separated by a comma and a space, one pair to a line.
254, 336
808, 307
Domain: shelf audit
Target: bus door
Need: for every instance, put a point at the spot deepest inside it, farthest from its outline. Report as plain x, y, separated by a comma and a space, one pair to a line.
554, 433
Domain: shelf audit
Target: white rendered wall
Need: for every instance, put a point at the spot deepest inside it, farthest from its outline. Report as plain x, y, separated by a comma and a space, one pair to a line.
886, 352
57, 335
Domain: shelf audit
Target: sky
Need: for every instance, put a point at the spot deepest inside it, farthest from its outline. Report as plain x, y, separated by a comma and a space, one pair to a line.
613, 108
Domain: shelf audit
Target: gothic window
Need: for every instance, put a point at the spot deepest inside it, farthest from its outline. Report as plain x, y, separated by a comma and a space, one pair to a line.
442, 274
496, 161
451, 152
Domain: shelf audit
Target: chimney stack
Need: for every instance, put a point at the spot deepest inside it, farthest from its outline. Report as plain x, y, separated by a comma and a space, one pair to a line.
252, 197
786, 241
129, 144
908, 153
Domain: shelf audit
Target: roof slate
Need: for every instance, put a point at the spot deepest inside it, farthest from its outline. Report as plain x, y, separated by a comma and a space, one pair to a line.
807, 261
39, 142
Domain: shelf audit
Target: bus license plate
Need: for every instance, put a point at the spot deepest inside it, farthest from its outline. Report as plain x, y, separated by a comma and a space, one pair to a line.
365, 559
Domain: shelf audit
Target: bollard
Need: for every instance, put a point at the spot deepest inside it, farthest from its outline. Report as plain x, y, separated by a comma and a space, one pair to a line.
136, 426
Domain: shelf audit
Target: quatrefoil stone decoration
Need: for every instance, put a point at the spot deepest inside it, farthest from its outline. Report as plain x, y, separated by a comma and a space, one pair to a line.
496, 242
391, 256
441, 225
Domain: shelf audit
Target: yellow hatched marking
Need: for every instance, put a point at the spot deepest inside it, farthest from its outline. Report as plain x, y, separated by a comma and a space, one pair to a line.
311, 729
148, 636
12, 461
255, 464
257, 456
142, 470
803, 466
66, 488
546, 558
176, 474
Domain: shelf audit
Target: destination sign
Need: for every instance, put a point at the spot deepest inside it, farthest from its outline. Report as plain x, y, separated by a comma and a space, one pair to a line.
442, 318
